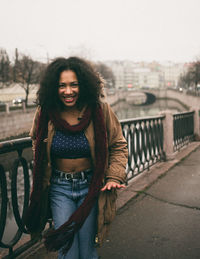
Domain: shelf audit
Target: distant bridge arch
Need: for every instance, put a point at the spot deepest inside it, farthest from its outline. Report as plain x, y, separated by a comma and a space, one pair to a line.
186, 100
152, 94
140, 97
150, 98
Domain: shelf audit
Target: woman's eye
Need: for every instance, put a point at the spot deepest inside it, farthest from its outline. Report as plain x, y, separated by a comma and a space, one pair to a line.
74, 85
61, 85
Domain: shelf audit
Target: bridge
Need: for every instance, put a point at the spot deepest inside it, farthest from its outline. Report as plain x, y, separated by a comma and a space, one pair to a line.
186, 99
156, 145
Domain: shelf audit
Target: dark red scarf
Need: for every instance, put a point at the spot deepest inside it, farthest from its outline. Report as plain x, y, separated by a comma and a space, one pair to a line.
64, 235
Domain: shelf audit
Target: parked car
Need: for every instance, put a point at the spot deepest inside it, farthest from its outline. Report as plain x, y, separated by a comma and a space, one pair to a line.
18, 100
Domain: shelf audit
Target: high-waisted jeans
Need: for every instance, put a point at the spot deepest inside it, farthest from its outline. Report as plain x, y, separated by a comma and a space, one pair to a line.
65, 197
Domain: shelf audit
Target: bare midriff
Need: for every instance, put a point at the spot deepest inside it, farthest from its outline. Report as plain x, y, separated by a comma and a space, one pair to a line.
72, 165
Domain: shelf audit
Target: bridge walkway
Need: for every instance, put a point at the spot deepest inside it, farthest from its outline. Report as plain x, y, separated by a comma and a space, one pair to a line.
162, 220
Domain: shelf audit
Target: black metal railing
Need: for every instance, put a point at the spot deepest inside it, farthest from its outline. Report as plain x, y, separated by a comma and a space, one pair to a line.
15, 172
145, 143
183, 126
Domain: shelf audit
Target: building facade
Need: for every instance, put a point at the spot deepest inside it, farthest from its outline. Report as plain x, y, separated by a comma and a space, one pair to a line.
135, 75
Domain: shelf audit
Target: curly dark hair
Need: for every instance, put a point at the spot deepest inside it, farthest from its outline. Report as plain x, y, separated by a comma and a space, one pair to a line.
90, 83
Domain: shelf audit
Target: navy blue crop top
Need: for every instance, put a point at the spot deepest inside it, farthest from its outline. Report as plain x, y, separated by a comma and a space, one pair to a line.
70, 145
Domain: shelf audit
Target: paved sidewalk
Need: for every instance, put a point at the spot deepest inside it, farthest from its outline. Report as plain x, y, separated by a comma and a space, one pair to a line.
162, 221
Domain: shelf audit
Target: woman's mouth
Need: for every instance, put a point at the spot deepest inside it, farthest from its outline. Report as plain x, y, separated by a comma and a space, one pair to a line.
69, 99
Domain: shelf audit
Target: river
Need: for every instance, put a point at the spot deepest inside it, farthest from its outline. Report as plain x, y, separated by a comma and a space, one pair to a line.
125, 110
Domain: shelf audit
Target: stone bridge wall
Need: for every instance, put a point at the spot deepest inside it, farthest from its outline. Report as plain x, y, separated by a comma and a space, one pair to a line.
192, 102
15, 123
19, 122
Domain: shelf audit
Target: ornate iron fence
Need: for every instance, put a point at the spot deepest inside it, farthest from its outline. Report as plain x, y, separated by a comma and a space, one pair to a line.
14, 192
145, 143
183, 126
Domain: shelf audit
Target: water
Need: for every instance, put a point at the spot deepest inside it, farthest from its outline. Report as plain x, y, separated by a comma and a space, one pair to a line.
125, 110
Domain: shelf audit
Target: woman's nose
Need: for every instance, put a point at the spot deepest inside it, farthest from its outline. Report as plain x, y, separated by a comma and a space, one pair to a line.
68, 90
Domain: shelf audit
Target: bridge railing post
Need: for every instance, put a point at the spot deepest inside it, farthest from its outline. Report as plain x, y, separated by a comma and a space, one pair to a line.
7, 108
196, 123
23, 106
168, 135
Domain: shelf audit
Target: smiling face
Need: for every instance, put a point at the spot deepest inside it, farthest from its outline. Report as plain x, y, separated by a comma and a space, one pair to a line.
68, 90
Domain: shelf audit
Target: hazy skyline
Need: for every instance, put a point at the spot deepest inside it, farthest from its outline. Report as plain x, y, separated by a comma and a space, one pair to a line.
138, 30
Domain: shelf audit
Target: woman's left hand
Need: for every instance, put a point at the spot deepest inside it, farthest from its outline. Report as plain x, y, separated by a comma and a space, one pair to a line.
111, 185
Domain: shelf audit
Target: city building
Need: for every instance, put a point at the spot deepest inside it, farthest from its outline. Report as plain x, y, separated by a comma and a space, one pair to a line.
131, 75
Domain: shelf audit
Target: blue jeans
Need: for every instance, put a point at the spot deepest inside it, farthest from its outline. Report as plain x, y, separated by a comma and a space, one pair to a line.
65, 197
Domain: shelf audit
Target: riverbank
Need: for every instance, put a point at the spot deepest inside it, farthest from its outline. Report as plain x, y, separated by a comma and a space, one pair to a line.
18, 122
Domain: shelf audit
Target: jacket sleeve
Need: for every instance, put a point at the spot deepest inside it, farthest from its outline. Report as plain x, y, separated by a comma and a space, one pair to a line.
117, 147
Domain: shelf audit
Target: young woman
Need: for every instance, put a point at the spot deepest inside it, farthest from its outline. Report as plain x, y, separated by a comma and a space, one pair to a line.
80, 157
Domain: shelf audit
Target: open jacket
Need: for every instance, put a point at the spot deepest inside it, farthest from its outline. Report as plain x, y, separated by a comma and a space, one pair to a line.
115, 167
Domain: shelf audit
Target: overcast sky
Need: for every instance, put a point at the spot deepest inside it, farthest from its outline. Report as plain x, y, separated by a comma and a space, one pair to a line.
138, 30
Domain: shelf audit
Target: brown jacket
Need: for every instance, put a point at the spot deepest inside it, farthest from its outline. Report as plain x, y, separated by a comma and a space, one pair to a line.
115, 169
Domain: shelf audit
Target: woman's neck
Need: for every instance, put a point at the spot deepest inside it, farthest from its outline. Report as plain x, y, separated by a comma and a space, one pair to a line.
71, 115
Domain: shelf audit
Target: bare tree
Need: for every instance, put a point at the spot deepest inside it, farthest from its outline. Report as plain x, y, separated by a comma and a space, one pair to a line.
185, 80
27, 72
15, 66
195, 73
107, 73
192, 76
5, 67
